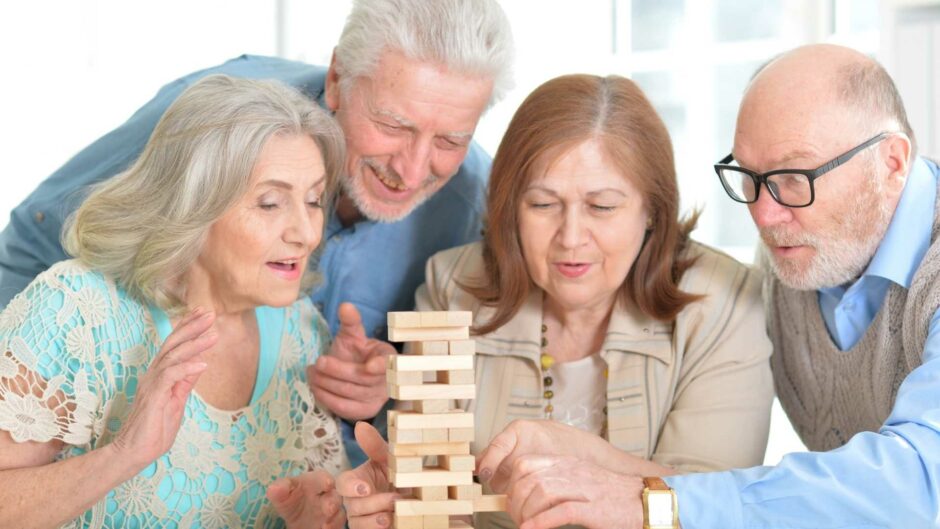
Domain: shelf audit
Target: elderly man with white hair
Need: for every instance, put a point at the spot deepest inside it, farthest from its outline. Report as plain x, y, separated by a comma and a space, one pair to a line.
408, 82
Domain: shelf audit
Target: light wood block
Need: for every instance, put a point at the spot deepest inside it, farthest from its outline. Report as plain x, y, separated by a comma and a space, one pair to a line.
463, 376
490, 503
462, 347
434, 391
429, 449
460, 434
430, 477
433, 405
438, 493
437, 521
403, 320
429, 363
425, 508
434, 435
396, 436
458, 463
428, 334
407, 463
464, 492
459, 524
431, 348
415, 421
450, 318
408, 522
404, 378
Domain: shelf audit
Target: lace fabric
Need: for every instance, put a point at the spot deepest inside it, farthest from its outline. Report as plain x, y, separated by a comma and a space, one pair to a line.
74, 346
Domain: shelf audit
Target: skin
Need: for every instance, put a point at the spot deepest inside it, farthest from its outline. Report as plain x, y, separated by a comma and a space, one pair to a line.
408, 127
204, 352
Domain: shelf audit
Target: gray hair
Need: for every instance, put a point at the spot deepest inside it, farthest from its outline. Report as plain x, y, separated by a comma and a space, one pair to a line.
471, 37
146, 226
867, 87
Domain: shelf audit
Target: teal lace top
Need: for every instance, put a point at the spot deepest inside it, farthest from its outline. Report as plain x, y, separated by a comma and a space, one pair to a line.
72, 348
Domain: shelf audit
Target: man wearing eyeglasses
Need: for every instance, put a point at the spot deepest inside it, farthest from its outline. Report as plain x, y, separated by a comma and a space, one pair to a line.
848, 215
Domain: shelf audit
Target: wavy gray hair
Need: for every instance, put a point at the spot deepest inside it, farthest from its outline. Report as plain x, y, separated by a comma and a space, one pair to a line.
471, 37
146, 226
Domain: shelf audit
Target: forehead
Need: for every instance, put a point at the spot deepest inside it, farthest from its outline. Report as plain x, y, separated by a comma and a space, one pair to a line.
585, 166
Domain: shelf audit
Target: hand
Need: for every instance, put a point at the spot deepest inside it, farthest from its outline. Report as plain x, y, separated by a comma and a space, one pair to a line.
155, 417
539, 437
350, 380
550, 491
308, 501
367, 495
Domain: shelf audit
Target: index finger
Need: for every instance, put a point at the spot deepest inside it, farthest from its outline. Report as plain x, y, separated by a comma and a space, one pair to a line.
318, 481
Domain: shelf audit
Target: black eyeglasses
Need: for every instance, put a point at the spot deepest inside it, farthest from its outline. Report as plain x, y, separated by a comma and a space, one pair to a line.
792, 188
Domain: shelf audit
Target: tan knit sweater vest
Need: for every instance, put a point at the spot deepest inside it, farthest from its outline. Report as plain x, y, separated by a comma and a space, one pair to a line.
830, 395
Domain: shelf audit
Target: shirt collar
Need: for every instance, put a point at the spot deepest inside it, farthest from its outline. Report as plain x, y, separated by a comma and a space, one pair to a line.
908, 235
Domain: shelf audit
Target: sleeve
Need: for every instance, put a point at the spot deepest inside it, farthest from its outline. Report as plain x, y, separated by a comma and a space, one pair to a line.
49, 389
720, 415
887, 478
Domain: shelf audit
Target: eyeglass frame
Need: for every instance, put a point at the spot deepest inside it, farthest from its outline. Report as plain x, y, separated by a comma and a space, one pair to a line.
810, 174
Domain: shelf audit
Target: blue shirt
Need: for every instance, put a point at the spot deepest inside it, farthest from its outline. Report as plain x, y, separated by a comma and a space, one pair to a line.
889, 478
377, 266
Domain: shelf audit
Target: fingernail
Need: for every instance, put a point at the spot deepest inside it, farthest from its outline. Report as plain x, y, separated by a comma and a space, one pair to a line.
382, 520
362, 489
486, 474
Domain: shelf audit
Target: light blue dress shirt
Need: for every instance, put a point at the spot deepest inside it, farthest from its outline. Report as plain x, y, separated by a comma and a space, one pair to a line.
889, 478
377, 266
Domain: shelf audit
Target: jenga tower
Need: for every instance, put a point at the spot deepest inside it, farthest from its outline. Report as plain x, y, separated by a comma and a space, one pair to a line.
442, 355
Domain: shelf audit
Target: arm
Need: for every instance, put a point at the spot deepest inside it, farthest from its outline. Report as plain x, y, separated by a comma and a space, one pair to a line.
884, 479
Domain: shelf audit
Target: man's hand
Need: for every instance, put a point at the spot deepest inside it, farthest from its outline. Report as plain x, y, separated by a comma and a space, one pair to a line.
550, 491
367, 495
525, 437
350, 380
308, 501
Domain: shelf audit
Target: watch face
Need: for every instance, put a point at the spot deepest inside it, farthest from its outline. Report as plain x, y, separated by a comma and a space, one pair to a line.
660, 508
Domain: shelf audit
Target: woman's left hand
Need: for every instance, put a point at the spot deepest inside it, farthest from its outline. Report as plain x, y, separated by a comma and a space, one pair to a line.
550, 491
308, 501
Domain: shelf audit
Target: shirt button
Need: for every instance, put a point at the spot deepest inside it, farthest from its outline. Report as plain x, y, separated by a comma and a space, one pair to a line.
39, 216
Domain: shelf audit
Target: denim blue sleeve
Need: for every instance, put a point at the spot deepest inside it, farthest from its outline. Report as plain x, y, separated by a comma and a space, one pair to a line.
886, 479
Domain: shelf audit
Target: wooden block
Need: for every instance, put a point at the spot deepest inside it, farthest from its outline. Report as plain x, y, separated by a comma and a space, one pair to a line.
457, 463
403, 320
462, 347
463, 376
429, 449
437, 521
426, 508
437, 493
434, 435
460, 434
450, 318
434, 391
404, 378
428, 333
407, 463
408, 522
429, 363
431, 348
459, 524
396, 436
433, 406
490, 503
406, 420
463, 492
430, 477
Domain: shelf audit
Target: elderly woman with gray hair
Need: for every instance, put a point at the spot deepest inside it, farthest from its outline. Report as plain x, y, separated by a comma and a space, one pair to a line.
158, 378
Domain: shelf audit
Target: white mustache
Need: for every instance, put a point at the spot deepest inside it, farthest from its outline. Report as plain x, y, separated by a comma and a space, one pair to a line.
777, 236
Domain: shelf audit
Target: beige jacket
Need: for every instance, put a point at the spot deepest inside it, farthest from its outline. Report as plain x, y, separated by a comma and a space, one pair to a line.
694, 394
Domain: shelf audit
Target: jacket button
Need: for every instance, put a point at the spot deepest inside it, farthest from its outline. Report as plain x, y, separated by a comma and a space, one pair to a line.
39, 216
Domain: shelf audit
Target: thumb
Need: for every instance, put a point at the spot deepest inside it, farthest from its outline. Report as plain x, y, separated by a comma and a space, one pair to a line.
350, 322
371, 442
283, 493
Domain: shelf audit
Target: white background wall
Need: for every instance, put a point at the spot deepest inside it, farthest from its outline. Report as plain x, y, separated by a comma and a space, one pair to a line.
74, 69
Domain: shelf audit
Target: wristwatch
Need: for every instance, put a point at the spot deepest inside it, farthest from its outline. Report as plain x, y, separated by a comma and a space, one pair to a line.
660, 508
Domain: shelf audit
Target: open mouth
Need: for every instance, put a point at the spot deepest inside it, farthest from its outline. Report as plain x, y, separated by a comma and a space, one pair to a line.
287, 268
573, 269
387, 182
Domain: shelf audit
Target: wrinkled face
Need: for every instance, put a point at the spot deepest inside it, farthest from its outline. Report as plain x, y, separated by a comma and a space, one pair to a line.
831, 241
407, 127
257, 252
581, 225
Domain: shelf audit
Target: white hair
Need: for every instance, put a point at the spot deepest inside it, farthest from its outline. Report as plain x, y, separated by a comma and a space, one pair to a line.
471, 37
146, 226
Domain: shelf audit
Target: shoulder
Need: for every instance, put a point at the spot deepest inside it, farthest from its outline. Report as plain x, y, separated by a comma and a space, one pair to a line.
448, 270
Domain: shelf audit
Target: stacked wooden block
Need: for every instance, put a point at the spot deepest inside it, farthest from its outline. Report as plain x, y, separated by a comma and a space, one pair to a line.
438, 371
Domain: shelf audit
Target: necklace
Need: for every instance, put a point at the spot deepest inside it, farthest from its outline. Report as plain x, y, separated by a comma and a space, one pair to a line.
547, 361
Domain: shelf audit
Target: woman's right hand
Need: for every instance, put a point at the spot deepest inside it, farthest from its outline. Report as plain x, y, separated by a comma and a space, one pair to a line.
155, 417
368, 496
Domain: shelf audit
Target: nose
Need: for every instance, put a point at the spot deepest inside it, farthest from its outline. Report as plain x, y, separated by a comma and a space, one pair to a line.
413, 162
305, 228
768, 212
573, 232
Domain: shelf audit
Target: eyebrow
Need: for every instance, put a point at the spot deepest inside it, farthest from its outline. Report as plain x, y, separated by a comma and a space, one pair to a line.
410, 125
273, 182
589, 193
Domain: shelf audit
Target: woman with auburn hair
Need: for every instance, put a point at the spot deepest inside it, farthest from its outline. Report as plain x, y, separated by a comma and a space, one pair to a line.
593, 310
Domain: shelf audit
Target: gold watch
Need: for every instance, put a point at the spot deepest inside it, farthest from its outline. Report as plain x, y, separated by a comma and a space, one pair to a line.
660, 508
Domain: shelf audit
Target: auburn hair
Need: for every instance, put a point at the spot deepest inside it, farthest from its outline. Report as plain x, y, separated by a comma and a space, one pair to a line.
559, 115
